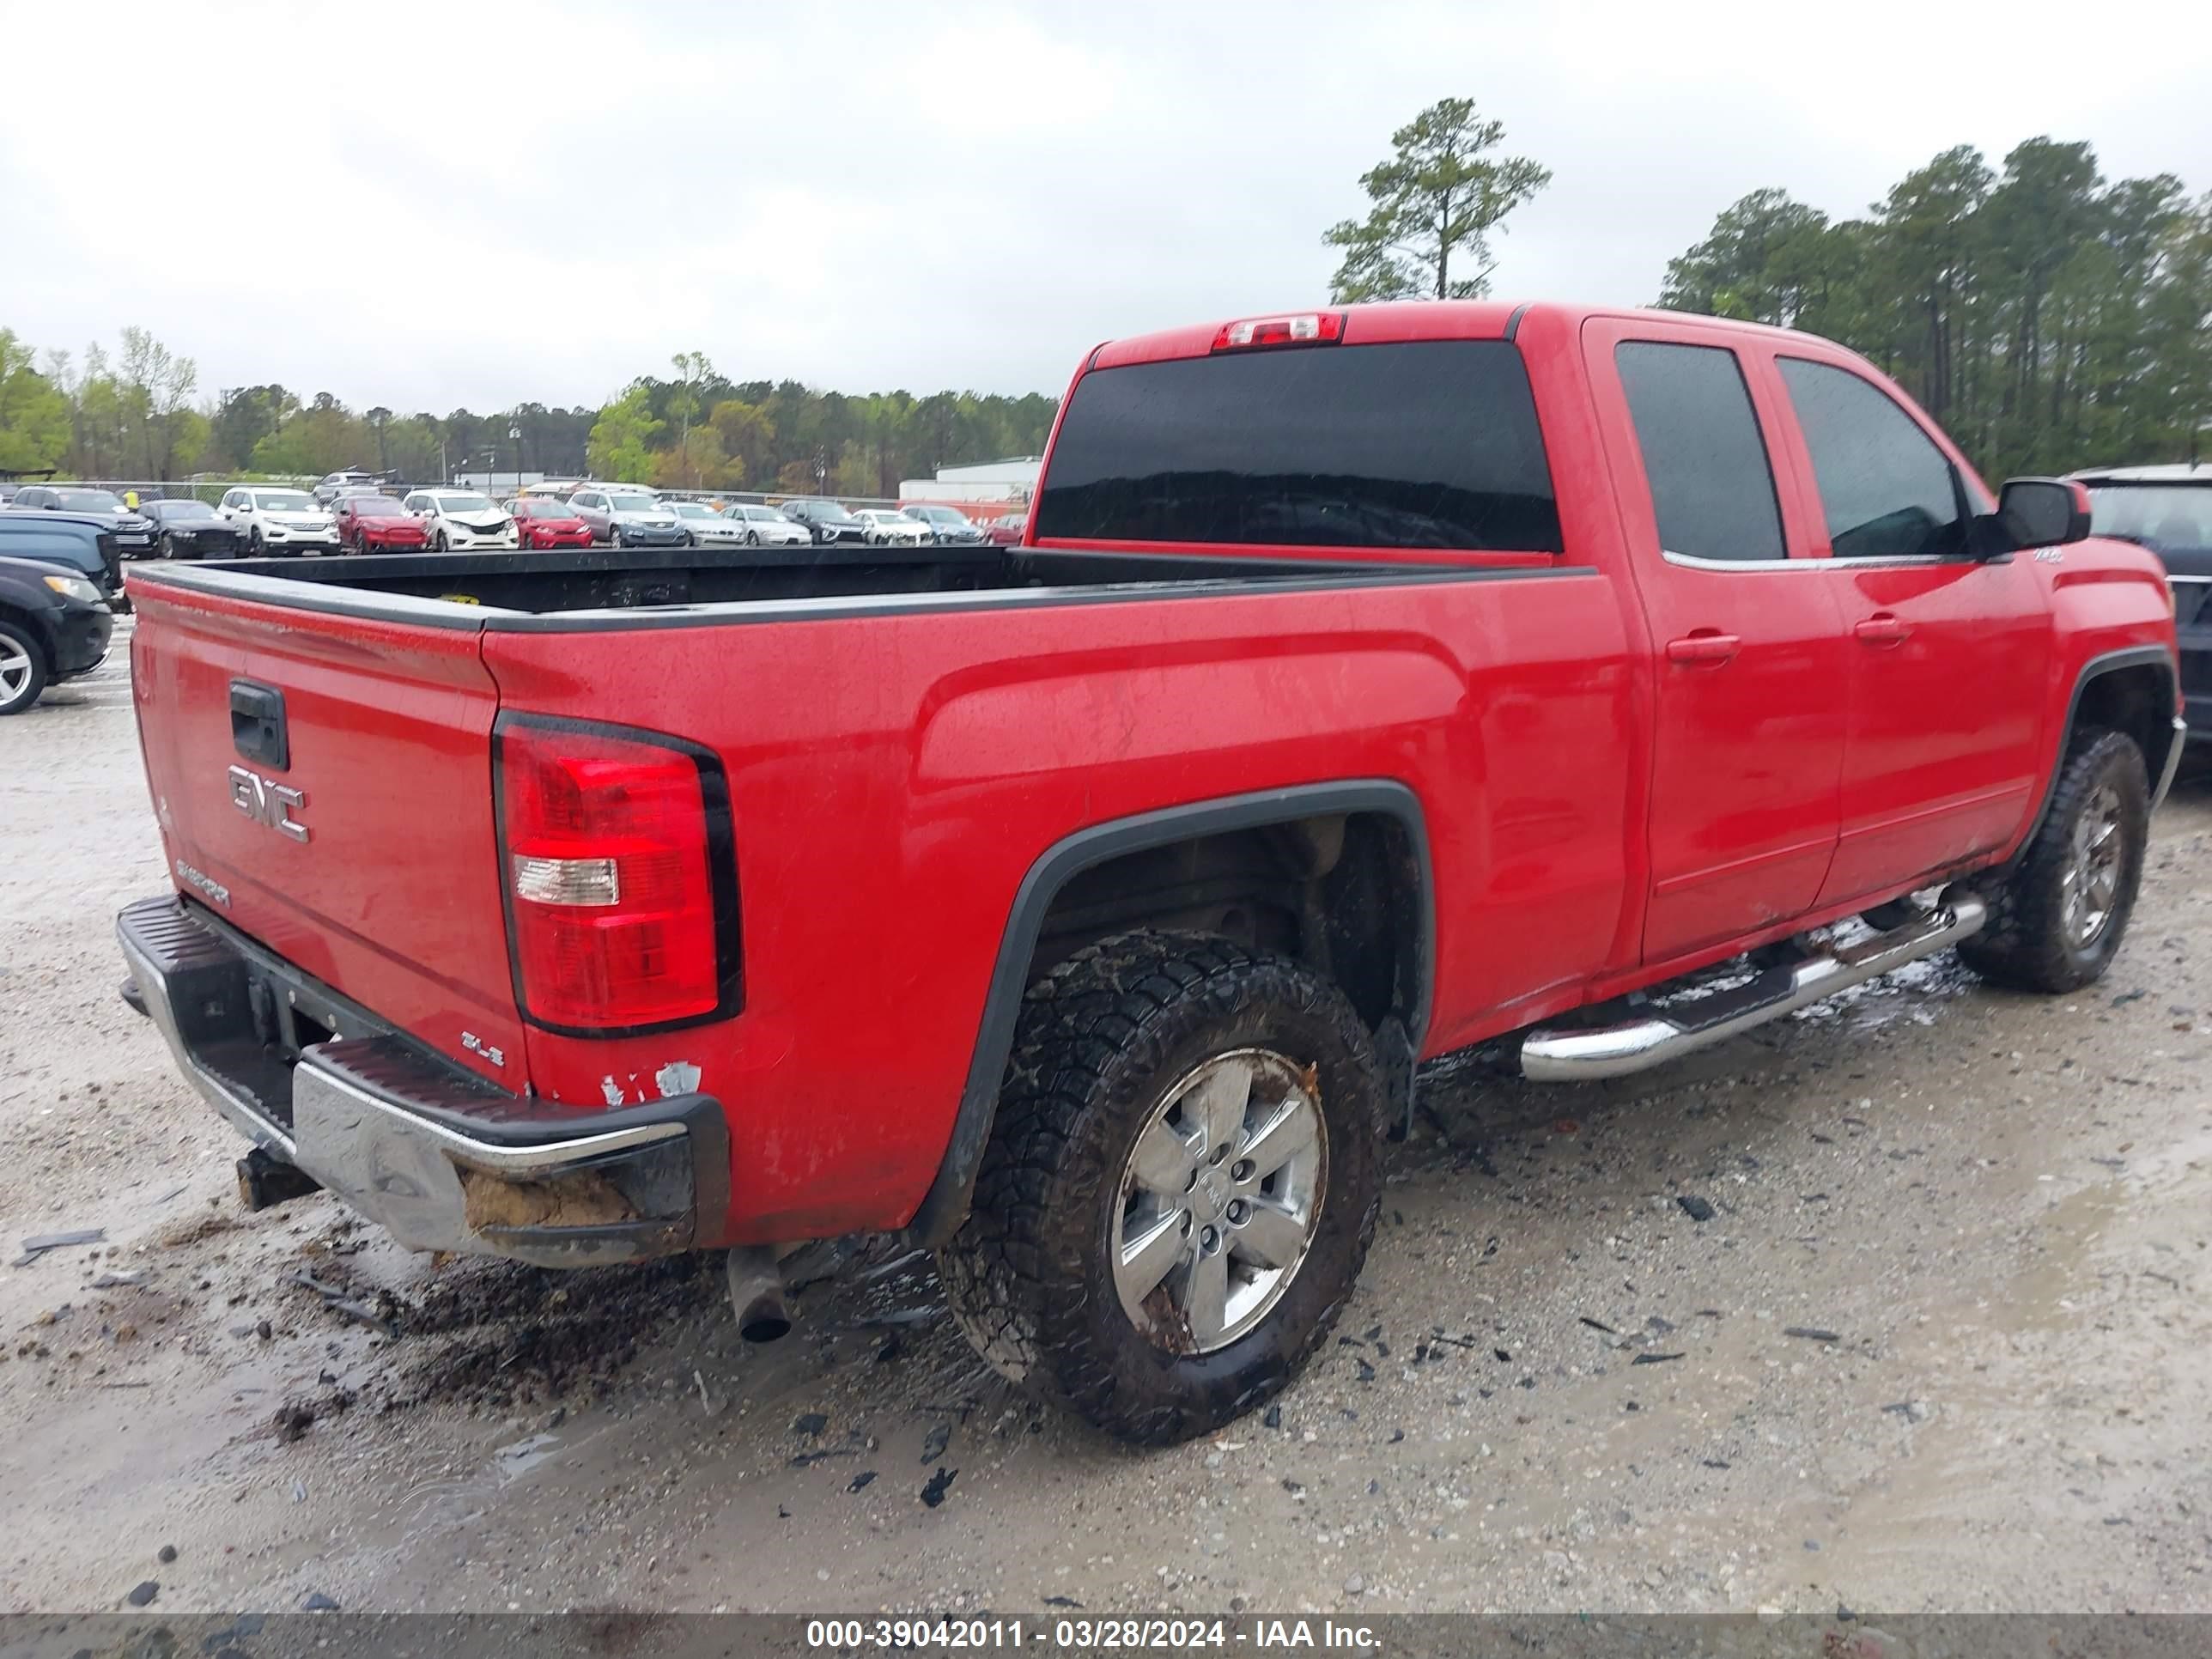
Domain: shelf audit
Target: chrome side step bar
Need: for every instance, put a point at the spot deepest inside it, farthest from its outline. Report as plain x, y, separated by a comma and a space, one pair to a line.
1564, 1056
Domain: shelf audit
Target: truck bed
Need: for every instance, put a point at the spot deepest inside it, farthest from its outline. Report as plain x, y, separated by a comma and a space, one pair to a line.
563, 588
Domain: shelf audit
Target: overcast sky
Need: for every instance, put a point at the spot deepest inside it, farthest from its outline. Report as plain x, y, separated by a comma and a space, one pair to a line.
482, 202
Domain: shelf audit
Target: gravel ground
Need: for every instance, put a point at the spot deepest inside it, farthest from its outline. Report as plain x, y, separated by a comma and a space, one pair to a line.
1938, 1344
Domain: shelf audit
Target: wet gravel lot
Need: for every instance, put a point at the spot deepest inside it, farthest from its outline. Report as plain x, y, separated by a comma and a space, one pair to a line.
1897, 1305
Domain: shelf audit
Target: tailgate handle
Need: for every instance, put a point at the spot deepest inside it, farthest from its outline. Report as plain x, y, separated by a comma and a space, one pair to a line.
257, 724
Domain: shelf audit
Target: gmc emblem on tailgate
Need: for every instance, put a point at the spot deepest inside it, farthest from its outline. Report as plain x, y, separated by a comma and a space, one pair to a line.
267, 802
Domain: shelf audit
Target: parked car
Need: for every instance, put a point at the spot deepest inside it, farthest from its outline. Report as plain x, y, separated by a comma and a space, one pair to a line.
2168, 509
882, 527
335, 484
1377, 682
278, 523
948, 525
1006, 530
825, 521
132, 530
461, 520
763, 526
548, 521
370, 521
626, 516
709, 528
84, 546
54, 625
187, 529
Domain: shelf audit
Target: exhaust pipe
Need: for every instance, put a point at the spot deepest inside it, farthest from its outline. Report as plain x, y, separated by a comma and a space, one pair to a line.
756, 1293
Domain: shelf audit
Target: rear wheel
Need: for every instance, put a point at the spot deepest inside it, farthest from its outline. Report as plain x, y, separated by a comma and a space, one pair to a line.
1180, 1187
2057, 919
22, 669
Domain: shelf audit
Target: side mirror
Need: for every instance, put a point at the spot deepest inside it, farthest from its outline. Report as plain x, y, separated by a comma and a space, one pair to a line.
2043, 512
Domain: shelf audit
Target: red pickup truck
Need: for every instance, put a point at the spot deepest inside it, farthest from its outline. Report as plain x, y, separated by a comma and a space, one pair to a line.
1368, 684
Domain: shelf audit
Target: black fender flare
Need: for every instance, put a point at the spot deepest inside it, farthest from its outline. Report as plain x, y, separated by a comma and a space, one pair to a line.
947, 1201
2162, 767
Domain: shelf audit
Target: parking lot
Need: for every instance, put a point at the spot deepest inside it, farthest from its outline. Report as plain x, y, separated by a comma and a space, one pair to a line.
1938, 1341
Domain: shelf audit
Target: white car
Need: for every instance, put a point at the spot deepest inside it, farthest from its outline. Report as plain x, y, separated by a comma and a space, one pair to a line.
709, 528
763, 526
279, 521
462, 521
883, 528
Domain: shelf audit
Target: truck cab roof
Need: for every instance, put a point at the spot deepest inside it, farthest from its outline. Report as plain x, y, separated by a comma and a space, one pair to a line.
1389, 322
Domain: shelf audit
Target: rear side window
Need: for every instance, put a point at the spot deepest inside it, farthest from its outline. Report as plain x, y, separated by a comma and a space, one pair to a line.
1712, 489
1887, 492
1431, 444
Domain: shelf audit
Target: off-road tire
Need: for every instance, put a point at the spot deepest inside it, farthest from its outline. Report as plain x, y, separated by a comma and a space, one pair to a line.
34, 676
1101, 1040
2024, 945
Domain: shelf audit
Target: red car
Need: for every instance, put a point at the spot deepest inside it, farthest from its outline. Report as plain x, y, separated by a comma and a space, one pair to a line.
1372, 683
377, 524
547, 521
1004, 530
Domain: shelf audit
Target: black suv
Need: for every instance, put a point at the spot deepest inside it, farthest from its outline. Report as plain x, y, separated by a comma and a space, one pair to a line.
826, 521
53, 626
2168, 509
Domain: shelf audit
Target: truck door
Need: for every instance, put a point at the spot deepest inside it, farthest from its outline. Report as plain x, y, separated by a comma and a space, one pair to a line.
1751, 673
1950, 655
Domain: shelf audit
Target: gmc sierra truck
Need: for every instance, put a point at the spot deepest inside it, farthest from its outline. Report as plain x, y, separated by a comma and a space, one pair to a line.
1368, 684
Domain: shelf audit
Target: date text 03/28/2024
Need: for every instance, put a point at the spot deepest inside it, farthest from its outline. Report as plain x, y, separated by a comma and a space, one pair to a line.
1089, 1634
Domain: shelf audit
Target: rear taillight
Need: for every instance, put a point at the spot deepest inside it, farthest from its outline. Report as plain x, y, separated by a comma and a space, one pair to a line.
619, 879
1309, 328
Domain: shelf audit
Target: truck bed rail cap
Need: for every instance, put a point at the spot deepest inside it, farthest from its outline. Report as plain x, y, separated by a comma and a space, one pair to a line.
292, 593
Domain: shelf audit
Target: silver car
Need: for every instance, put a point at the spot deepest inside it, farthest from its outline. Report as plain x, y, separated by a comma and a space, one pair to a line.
763, 526
627, 515
709, 528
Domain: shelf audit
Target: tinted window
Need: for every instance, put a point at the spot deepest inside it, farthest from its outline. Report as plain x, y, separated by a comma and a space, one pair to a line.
86, 500
1428, 444
1712, 490
1887, 492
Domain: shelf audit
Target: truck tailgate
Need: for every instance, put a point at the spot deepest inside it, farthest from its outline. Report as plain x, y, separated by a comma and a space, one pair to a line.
323, 783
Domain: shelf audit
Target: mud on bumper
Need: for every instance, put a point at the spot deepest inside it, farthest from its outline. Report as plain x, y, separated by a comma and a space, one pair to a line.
435, 1155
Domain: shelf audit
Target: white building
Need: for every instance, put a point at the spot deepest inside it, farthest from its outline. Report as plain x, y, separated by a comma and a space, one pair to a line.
1008, 481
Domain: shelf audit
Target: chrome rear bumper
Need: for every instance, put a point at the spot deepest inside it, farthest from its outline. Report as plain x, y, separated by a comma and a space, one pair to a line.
441, 1159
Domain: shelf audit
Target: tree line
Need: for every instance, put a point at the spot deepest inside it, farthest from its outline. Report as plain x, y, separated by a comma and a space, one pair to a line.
136, 412
2049, 319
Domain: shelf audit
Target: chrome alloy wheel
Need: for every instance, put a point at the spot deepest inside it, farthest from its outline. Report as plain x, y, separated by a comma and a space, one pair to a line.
2091, 880
15, 670
1220, 1199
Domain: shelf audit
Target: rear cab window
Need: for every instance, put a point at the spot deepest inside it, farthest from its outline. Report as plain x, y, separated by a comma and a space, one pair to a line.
1422, 445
